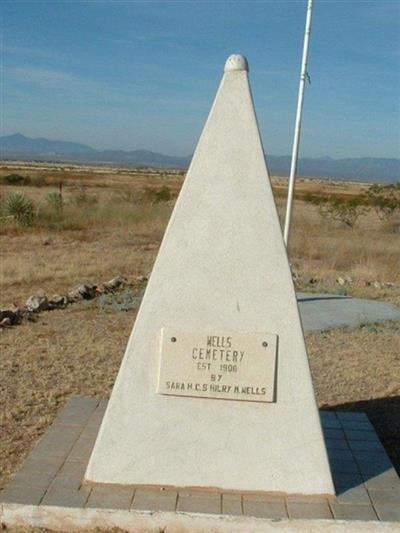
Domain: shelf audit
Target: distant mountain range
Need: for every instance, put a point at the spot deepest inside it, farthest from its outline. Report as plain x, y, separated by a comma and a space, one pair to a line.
19, 147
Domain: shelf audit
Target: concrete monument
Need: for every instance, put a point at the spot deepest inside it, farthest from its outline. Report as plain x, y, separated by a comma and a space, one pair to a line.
215, 390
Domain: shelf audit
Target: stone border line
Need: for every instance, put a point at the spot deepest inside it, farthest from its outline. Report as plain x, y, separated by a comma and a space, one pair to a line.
39, 302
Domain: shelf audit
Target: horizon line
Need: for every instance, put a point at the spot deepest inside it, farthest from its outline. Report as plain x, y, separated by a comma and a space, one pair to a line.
99, 150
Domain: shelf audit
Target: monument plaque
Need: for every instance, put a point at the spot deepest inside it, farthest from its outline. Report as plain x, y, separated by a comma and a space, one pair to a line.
223, 365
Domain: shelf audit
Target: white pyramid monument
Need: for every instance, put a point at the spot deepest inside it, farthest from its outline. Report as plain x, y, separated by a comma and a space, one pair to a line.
215, 390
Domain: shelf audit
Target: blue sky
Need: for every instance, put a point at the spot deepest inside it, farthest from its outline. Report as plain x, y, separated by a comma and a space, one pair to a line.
135, 75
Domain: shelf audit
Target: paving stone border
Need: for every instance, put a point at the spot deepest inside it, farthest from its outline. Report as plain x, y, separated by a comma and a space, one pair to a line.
367, 485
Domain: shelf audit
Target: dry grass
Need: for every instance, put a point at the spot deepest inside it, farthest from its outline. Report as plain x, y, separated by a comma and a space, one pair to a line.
88, 240
326, 250
67, 352
111, 230
55, 261
78, 350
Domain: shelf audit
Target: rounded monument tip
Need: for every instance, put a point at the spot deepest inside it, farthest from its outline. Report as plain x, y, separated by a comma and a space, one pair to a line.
236, 62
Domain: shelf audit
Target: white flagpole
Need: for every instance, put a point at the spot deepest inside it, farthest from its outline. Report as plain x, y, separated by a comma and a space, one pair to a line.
297, 128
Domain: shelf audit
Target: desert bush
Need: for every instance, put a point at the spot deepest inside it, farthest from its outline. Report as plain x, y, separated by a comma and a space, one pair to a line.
340, 208
156, 196
345, 210
312, 198
163, 195
385, 200
16, 179
20, 207
55, 200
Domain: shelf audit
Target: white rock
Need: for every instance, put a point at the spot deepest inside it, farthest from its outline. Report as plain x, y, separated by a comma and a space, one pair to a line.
115, 283
82, 292
58, 301
37, 302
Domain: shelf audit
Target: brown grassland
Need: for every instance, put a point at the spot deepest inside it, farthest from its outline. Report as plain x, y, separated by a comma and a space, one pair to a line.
111, 222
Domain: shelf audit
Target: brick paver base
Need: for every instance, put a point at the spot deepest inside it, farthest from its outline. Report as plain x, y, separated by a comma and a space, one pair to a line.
367, 486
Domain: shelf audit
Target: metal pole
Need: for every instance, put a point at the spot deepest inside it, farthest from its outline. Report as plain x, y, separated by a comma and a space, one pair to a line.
297, 128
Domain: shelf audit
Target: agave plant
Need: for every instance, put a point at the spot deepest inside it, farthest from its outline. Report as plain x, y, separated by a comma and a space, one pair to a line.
20, 207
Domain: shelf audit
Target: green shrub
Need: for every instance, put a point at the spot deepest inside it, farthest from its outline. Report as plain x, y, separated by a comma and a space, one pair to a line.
155, 196
313, 198
55, 200
339, 208
20, 207
345, 210
16, 179
163, 195
385, 200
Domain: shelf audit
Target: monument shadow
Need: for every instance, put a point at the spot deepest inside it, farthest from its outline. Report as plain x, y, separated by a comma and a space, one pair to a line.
353, 427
